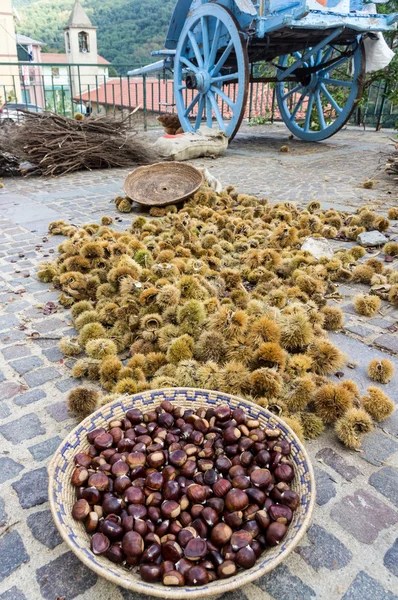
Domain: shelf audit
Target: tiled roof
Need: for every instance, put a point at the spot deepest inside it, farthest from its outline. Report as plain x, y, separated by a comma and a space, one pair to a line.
54, 57
129, 93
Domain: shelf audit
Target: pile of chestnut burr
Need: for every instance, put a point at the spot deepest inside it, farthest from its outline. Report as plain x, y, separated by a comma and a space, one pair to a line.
185, 496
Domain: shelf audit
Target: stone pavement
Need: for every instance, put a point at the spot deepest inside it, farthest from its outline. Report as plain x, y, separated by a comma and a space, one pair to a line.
351, 549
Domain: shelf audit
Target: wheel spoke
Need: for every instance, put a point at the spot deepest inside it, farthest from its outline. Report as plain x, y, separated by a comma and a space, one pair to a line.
214, 45
297, 107
209, 118
195, 48
216, 110
189, 64
222, 78
292, 91
319, 109
205, 39
223, 96
200, 112
339, 82
318, 57
327, 54
223, 58
330, 99
307, 122
191, 106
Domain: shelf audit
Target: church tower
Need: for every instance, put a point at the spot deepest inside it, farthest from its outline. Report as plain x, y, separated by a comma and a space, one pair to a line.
81, 49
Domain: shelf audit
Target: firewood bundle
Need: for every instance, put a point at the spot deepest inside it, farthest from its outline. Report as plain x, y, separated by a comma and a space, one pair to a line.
59, 145
392, 163
9, 163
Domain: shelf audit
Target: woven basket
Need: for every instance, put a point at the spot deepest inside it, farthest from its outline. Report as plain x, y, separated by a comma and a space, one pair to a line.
162, 183
63, 495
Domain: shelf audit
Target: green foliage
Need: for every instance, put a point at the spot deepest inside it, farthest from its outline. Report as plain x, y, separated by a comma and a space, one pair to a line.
128, 30
264, 119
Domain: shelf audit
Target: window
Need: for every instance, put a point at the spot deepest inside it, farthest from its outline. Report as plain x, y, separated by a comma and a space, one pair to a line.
83, 42
67, 41
55, 71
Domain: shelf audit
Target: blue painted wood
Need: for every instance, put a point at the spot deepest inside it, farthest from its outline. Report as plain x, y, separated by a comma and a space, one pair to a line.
323, 85
207, 40
201, 46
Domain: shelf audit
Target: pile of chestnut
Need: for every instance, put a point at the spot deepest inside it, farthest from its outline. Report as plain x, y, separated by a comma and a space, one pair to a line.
186, 496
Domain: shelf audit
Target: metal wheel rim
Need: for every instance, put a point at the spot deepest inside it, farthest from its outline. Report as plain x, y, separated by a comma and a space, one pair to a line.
208, 99
355, 94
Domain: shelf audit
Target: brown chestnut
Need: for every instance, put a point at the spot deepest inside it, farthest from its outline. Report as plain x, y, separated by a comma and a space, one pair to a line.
173, 578
196, 493
132, 544
291, 499
103, 441
81, 510
134, 495
178, 458
210, 516
170, 509
83, 460
240, 539
91, 522
99, 543
150, 572
91, 494
226, 569
172, 551
236, 499
284, 472
195, 549
280, 513
263, 519
275, 533
221, 487
79, 476
151, 553
197, 576
221, 534
115, 554
171, 489
120, 467
245, 558
260, 478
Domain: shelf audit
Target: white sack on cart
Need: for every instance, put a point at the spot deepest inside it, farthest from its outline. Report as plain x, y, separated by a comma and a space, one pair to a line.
377, 53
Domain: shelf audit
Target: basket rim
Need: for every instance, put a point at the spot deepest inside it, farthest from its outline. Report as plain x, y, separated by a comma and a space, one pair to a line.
166, 165
219, 586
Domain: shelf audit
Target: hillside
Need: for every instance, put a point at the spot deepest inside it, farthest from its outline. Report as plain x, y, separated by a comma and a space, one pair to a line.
128, 30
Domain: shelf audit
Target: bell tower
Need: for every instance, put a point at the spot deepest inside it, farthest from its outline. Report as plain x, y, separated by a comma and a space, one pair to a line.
81, 49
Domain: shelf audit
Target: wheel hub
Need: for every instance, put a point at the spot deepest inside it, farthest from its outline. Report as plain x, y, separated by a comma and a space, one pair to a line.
198, 81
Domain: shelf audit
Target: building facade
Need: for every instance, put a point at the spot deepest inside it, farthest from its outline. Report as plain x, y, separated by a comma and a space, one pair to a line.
10, 88
81, 49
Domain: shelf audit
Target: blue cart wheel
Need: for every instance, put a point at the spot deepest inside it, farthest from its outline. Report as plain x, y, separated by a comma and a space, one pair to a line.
319, 103
211, 71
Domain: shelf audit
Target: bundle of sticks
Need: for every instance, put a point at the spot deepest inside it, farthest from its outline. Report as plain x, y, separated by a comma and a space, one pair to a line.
392, 163
9, 163
57, 145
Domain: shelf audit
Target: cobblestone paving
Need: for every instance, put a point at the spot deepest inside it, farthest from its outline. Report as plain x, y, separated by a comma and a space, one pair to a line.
351, 549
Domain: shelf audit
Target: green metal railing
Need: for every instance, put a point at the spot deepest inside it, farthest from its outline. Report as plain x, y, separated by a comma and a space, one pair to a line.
65, 88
